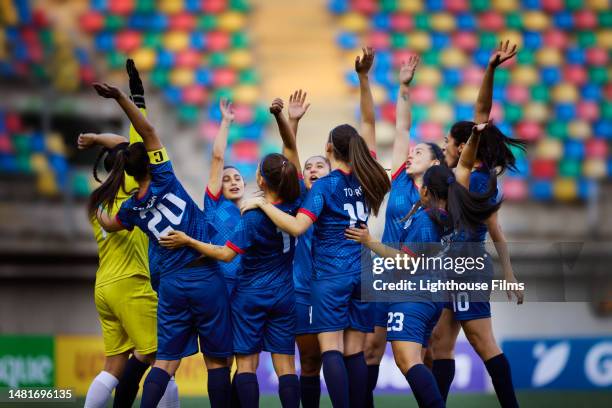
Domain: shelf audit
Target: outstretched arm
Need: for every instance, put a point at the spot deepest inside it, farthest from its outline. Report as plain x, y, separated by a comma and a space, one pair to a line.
485, 95
501, 246
108, 140
368, 115
467, 159
136, 95
295, 226
178, 239
141, 124
403, 114
289, 144
297, 108
218, 151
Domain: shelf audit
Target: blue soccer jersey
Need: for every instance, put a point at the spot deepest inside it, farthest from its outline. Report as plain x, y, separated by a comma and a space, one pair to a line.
223, 217
419, 230
165, 207
267, 251
302, 264
404, 193
334, 203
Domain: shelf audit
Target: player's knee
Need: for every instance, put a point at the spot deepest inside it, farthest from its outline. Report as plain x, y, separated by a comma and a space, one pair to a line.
145, 358
442, 344
310, 364
374, 351
216, 362
169, 366
405, 361
483, 343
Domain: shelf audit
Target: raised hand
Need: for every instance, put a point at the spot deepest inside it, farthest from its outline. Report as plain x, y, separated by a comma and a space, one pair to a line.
361, 234
297, 108
174, 240
108, 91
364, 63
86, 140
227, 110
136, 87
251, 204
277, 106
407, 69
503, 53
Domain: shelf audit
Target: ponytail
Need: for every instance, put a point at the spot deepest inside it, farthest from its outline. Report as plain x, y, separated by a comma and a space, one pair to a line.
105, 195
123, 158
352, 149
281, 176
494, 149
466, 209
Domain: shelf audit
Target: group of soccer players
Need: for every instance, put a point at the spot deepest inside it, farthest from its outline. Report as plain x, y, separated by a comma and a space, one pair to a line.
241, 276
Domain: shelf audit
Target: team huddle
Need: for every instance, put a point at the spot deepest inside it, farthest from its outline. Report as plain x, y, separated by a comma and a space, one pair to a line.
245, 275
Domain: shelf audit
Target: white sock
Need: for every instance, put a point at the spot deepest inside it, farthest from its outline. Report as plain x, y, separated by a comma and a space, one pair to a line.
170, 399
100, 390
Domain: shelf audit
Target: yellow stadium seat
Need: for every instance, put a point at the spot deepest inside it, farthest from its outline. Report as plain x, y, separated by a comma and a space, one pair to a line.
144, 58
536, 21
443, 22
594, 168
579, 129
246, 94
565, 189
176, 41
549, 149
182, 77
536, 111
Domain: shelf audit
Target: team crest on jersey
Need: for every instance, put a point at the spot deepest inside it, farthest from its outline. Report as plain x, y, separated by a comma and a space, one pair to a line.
149, 204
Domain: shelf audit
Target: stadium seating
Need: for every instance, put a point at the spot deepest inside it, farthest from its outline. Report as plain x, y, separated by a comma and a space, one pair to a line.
556, 94
195, 52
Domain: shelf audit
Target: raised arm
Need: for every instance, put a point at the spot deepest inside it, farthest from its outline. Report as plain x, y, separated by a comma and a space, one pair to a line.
467, 159
136, 95
107, 140
484, 102
141, 124
403, 114
501, 246
297, 108
366, 100
217, 161
289, 144
178, 239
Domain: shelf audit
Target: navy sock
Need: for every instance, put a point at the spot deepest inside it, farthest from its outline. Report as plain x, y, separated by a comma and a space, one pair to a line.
357, 371
499, 370
248, 389
219, 387
126, 390
372, 380
444, 372
336, 378
289, 390
154, 387
310, 391
424, 387
235, 403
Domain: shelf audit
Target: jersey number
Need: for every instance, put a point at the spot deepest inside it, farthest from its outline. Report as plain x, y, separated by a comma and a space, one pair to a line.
461, 302
286, 240
160, 211
395, 321
360, 214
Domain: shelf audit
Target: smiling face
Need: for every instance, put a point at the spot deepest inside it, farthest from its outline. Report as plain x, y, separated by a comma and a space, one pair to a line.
233, 184
451, 151
315, 168
420, 159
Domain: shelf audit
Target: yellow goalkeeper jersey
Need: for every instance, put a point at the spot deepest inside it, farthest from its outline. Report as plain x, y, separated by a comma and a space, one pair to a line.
122, 254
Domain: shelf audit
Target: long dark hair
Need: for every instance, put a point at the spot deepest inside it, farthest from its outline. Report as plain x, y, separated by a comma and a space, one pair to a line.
350, 148
280, 176
123, 158
466, 209
494, 149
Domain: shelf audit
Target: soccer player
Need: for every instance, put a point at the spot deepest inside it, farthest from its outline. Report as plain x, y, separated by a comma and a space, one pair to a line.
356, 186
193, 303
475, 317
445, 204
127, 324
263, 306
223, 194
